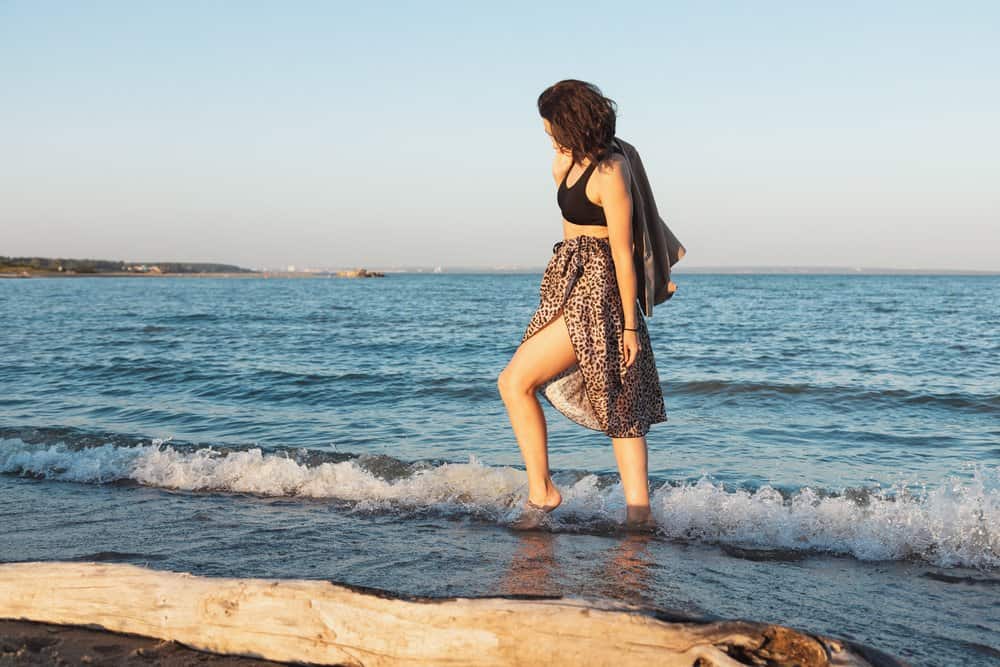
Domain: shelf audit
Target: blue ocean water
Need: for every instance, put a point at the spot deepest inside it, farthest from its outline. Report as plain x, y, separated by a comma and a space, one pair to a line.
831, 459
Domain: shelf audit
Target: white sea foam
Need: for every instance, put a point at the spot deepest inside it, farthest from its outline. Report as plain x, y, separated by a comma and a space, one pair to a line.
956, 523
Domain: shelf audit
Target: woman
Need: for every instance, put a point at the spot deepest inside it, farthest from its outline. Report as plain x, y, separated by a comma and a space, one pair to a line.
586, 348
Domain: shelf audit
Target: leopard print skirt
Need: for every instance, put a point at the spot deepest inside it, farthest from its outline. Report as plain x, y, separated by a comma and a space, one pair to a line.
598, 391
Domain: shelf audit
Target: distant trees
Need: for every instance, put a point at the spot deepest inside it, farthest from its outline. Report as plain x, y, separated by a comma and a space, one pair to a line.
110, 266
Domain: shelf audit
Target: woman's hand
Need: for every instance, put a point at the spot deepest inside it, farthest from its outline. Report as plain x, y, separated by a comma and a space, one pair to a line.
630, 341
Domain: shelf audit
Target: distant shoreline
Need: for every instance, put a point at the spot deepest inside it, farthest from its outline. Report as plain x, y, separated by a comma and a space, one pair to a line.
36, 273
133, 274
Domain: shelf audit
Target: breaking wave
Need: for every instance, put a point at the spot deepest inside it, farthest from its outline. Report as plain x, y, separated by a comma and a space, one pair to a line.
955, 523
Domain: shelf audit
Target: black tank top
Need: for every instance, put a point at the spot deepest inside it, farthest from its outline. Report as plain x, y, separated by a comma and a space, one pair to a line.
574, 203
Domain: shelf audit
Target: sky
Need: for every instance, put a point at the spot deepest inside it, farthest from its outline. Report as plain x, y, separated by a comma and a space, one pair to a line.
335, 134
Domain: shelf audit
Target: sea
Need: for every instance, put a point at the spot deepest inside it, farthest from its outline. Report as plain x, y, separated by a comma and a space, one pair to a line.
831, 459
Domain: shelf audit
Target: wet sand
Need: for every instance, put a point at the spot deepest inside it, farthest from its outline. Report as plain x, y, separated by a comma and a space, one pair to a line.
30, 643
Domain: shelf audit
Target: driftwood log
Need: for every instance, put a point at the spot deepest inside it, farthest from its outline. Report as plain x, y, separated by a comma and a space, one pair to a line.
320, 622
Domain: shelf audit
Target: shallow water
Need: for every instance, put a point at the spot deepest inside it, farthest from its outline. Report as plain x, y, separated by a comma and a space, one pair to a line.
830, 463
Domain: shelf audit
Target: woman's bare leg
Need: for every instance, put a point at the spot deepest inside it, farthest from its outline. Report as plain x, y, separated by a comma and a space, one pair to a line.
545, 354
633, 460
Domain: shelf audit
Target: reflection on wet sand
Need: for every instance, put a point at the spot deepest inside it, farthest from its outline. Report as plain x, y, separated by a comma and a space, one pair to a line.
532, 569
626, 573
623, 572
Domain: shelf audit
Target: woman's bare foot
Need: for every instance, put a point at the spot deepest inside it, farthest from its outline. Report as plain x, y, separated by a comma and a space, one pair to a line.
534, 512
552, 497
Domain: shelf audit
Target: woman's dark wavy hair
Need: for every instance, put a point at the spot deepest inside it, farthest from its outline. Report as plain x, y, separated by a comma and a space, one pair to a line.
582, 118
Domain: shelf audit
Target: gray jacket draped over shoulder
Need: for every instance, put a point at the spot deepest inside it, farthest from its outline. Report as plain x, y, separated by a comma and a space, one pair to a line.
654, 247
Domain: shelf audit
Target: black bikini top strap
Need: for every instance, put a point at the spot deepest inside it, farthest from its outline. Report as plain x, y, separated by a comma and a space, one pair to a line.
565, 181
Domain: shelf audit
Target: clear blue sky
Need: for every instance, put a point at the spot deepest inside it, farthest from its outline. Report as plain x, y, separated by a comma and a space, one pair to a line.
356, 134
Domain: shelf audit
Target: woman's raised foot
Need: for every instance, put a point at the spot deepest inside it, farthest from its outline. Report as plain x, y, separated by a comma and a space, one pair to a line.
534, 512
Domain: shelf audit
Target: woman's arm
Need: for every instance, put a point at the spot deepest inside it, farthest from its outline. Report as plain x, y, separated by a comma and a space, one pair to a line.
616, 198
